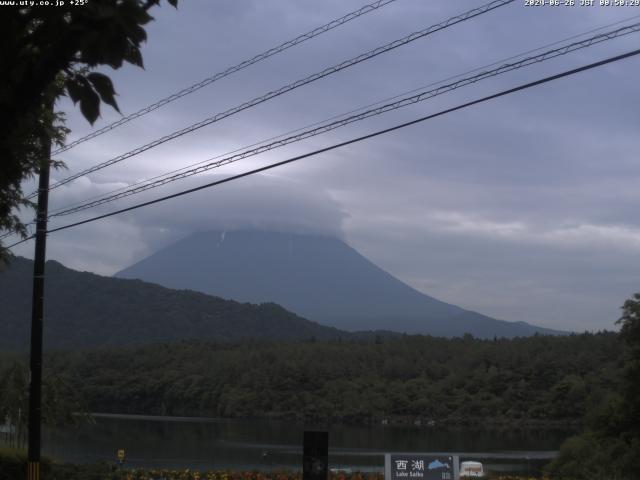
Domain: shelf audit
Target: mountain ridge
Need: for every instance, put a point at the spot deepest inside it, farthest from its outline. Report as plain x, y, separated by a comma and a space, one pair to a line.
317, 277
85, 310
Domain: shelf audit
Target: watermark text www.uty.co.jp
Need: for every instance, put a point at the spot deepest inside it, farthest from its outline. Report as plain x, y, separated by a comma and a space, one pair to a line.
43, 3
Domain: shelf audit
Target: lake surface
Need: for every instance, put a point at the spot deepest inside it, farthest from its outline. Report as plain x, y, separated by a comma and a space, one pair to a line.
201, 443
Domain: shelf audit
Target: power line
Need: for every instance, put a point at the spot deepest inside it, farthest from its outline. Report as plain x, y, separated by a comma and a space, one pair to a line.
605, 36
131, 186
236, 68
7, 234
410, 100
349, 142
10, 233
14, 232
292, 86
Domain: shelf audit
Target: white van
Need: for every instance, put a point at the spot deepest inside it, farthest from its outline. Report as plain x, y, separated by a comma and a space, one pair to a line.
471, 470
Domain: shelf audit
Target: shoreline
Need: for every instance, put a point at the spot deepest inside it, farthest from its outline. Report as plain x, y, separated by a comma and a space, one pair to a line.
491, 424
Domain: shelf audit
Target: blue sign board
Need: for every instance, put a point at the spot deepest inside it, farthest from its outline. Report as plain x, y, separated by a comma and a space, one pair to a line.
421, 467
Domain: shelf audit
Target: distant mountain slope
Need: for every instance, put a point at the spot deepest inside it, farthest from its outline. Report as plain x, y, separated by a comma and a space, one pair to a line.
320, 278
85, 310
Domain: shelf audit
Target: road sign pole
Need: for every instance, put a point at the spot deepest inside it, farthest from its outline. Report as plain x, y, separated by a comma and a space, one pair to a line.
456, 467
315, 455
387, 466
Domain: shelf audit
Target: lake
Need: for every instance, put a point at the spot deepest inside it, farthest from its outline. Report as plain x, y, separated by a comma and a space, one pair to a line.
202, 443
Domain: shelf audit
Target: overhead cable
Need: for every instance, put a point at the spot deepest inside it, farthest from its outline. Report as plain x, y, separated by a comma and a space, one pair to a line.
292, 86
339, 116
224, 73
406, 101
348, 142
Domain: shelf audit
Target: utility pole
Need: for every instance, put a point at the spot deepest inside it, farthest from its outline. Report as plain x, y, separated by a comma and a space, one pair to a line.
37, 314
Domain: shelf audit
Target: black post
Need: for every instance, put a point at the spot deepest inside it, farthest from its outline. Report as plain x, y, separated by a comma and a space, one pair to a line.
37, 314
315, 455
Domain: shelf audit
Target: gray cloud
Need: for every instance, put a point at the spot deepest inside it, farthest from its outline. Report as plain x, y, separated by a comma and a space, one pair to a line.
262, 202
266, 202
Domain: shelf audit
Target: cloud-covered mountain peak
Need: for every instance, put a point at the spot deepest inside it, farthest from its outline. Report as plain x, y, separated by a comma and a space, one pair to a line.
318, 277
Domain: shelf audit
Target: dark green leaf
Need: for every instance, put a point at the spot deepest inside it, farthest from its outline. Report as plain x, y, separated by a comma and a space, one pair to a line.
74, 88
90, 104
103, 11
136, 34
80, 90
103, 85
133, 55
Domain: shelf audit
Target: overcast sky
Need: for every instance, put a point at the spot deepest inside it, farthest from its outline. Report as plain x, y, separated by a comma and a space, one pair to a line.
523, 208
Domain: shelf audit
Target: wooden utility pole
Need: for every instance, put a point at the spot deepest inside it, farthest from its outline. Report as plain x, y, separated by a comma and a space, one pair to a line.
37, 315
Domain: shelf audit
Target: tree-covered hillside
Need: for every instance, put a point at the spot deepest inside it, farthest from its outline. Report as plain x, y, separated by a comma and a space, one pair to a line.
84, 310
538, 380
609, 447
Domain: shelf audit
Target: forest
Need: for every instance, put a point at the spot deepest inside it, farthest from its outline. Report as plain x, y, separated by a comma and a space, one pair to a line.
590, 381
535, 381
